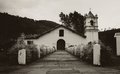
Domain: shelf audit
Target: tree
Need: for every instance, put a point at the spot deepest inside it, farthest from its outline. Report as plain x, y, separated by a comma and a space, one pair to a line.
65, 19
73, 20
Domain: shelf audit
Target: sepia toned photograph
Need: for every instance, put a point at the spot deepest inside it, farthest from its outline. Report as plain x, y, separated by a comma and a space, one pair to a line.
59, 37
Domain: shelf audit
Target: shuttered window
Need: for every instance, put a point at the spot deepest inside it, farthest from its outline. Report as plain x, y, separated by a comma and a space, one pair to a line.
61, 33
29, 42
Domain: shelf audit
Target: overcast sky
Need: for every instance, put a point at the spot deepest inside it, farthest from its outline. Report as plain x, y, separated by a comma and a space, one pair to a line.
108, 10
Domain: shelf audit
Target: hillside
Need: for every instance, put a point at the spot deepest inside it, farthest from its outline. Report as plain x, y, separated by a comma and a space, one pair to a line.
12, 26
107, 37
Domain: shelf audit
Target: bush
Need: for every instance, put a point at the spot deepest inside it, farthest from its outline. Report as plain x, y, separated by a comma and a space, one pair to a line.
85, 52
71, 49
3, 58
32, 53
88, 53
106, 55
13, 52
45, 50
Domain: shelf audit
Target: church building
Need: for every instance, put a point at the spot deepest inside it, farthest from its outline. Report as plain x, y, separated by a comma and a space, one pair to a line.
62, 37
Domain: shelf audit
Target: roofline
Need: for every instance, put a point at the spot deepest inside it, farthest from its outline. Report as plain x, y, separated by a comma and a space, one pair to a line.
54, 29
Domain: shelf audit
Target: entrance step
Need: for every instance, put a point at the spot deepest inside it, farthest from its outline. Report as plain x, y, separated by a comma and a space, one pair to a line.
63, 71
60, 56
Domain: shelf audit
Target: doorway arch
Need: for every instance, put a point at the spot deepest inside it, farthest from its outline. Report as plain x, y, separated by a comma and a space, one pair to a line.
61, 44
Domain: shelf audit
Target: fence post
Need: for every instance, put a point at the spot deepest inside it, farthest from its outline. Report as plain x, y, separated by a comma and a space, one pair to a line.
22, 56
117, 35
96, 54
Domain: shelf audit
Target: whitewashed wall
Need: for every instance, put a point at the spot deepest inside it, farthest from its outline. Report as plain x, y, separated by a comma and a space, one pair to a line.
92, 36
50, 39
89, 19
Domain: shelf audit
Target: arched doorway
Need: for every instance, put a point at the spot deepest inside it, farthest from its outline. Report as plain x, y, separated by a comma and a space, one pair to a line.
60, 44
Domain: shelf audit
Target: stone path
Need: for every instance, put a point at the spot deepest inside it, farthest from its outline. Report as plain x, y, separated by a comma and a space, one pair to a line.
62, 62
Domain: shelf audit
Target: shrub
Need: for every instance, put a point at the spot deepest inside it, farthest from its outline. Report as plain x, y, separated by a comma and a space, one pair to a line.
32, 53
13, 52
3, 58
106, 54
45, 50
88, 52
78, 50
71, 49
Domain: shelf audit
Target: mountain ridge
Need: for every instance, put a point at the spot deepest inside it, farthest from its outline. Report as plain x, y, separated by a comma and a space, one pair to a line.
12, 26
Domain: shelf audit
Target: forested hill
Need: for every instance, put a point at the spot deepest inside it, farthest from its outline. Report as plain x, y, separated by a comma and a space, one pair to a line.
107, 37
12, 26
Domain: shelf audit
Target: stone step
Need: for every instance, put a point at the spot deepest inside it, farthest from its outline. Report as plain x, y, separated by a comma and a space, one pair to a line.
63, 72
60, 56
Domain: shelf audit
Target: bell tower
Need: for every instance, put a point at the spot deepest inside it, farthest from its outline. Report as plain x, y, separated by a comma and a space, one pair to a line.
91, 25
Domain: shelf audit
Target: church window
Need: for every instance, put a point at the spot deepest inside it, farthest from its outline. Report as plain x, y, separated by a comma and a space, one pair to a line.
29, 42
92, 22
61, 33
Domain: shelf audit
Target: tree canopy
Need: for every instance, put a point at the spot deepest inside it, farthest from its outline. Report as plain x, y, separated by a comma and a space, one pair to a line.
74, 21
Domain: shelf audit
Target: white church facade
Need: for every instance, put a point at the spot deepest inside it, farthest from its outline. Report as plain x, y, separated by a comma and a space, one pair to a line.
62, 37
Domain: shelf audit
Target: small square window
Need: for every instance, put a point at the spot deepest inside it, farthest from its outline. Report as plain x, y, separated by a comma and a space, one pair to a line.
29, 42
61, 33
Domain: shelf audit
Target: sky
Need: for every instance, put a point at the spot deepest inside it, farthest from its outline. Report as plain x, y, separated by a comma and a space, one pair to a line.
108, 11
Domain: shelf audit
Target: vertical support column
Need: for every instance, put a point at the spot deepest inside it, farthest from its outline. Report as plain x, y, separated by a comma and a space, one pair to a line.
117, 35
22, 56
118, 46
96, 54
